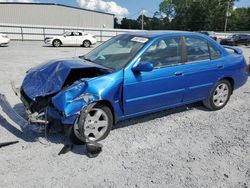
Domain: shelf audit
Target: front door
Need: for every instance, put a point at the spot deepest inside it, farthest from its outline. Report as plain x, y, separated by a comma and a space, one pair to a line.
160, 88
69, 39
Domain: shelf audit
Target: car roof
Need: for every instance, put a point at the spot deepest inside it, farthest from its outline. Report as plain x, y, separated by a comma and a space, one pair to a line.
241, 34
74, 31
153, 34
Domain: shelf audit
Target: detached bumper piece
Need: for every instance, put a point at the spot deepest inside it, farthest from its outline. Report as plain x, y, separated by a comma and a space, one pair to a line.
14, 116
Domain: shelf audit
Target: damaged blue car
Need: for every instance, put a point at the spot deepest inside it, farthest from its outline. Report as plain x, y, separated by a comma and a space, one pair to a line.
131, 75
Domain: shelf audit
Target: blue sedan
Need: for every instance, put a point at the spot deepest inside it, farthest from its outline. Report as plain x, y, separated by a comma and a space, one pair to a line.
131, 75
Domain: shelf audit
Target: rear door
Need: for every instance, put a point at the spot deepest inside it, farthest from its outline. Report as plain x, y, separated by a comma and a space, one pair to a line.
78, 38
241, 39
202, 68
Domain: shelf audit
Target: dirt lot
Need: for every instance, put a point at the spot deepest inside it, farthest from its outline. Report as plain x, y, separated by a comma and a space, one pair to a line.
183, 147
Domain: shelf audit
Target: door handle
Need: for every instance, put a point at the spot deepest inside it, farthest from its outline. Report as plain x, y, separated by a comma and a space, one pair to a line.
178, 73
220, 66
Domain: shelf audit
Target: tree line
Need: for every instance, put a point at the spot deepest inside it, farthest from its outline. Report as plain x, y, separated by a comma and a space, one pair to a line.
192, 15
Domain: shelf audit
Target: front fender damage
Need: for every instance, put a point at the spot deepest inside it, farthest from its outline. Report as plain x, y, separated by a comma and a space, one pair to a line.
72, 101
75, 105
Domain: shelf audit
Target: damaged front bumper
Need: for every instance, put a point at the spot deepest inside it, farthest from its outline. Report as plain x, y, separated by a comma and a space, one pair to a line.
35, 122
26, 125
65, 107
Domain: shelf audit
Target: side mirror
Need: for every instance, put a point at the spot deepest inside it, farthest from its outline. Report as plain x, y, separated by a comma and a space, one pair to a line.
143, 66
65, 36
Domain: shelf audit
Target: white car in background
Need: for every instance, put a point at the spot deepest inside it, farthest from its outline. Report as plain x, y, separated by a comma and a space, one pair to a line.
71, 38
4, 39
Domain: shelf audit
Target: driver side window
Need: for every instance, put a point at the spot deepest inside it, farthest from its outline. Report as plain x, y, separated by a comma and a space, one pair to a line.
164, 52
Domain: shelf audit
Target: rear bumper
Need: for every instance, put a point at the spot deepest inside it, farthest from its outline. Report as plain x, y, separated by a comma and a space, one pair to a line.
93, 41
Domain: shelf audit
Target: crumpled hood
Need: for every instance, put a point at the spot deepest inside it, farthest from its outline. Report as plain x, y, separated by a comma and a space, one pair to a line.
49, 78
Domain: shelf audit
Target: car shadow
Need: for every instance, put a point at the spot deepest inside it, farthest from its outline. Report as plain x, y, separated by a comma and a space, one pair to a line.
56, 137
156, 115
60, 138
19, 108
27, 135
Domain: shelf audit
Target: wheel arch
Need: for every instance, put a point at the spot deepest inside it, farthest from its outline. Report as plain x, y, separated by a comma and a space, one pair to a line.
231, 81
87, 40
57, 39
109, 105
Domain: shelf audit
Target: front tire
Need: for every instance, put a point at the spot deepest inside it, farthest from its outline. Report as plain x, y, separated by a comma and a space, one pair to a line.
96, 126
57, 43
219, 95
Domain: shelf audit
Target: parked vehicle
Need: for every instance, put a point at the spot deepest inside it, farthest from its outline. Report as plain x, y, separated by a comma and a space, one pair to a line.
211, 34
236, 39
71, 38
4, 39
131, 75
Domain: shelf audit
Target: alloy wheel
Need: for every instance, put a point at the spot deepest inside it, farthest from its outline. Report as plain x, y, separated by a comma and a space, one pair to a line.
95, 125
220, 95
57, 43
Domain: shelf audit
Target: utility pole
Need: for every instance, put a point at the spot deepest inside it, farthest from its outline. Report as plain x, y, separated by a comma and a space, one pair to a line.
142, 19
227, 15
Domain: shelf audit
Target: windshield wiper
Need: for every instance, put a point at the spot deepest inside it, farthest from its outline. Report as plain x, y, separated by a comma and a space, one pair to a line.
89, 60
83, 57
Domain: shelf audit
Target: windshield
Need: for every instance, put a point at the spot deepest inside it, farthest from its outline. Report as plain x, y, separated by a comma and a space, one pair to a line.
116, 52
67, 33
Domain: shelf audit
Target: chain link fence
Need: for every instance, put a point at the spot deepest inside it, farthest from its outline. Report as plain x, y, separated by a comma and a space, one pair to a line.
38, 33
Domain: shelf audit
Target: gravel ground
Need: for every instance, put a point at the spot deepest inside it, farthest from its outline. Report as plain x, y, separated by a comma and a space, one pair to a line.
183, 147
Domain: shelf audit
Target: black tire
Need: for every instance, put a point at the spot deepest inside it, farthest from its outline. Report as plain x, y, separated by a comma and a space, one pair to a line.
210, 104
57, 43
248, 43
75, 139
86, 44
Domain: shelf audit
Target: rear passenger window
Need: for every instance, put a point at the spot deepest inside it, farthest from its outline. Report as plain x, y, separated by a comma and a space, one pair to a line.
214, 52
164, 52
197, 49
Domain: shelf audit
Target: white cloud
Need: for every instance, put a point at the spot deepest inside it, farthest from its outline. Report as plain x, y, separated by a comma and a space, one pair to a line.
106, 6
17, 1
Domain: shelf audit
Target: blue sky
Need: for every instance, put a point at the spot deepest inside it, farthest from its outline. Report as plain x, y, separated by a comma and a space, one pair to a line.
243, 3
133, 6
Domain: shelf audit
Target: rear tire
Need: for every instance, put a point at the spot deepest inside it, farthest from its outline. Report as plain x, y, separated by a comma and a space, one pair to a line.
86, 44
219, 96
93, 126
57, 43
